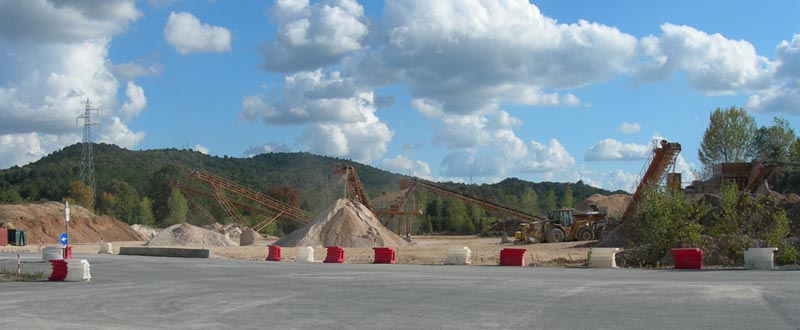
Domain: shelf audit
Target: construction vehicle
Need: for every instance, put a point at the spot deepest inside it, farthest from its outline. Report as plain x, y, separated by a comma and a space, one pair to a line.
561, 224
565, 224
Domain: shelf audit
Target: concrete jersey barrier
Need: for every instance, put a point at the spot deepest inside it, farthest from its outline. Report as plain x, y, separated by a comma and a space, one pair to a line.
164, 252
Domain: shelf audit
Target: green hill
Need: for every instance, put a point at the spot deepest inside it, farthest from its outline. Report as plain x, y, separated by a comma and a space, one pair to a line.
126, 177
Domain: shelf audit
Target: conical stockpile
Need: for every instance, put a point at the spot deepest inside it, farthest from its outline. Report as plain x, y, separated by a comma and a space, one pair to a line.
346, 224
185, 234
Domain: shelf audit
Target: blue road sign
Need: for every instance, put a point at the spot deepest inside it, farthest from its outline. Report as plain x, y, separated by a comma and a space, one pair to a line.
64, 239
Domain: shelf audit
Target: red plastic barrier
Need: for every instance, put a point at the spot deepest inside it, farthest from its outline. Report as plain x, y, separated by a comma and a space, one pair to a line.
384, 255
68, 252
512, 257
690, 258
335, 255
274, 253
59, 270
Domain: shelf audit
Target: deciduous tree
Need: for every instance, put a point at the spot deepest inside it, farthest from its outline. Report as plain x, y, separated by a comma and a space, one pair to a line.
729, 138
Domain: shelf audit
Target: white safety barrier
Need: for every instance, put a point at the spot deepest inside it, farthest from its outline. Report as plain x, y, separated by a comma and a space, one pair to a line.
603, 257
759, 258
461, 256
105, 248
52, 253
305, 254
77, 270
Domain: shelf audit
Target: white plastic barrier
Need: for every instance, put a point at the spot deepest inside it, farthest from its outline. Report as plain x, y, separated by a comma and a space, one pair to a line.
77, 271
603, 257
52, 253
461, 256
105, 248
305, 254
759, 258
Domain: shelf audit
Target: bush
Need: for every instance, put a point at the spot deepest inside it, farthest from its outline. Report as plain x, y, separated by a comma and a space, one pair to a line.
668, 220
775, 236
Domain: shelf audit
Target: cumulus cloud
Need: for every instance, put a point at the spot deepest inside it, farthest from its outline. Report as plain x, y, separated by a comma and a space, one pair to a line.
712, 63
136, 101
474, 56
610, 149
486, 145
407, 166
784, 94
188, 35
310, 97
265, 149
50, 70
338, 115
629, 128
21, 149
201, 149
363, 141
117, 132
312, 36
787, 55
64, 21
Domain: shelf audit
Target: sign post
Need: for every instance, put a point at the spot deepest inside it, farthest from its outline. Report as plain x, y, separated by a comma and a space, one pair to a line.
66, 233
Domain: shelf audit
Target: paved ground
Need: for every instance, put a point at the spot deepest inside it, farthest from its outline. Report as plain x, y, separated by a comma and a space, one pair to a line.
132, 292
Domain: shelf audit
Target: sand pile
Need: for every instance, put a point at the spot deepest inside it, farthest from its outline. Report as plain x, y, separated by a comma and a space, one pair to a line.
45, 222
185, 234
615, 204
346, 224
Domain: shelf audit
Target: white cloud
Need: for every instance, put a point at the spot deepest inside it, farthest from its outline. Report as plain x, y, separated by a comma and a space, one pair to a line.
50, 70
116, 132
407, 166
188, 35
782, 98
612, 180
130, 71
21, 149
35, 21
610, 149
339, 117
312, 36
136, 101
629, 128
712, 63
309, 97
686, 170
363, 141
200, 149
485, 144
784, 94
474, 56
787, 55
265, 149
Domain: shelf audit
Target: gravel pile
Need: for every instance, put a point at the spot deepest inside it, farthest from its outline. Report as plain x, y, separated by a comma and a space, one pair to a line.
346, 224
187, 235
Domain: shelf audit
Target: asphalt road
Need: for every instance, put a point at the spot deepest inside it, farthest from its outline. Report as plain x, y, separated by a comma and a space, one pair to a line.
132, 292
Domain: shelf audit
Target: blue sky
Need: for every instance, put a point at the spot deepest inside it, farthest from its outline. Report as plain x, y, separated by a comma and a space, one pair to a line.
447, 90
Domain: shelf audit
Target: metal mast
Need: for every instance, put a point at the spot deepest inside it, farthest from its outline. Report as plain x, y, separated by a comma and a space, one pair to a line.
87, 156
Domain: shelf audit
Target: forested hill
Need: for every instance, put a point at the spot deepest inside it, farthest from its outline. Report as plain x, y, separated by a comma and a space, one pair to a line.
128, 176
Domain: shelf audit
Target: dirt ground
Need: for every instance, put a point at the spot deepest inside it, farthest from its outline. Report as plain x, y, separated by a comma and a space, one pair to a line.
427, 250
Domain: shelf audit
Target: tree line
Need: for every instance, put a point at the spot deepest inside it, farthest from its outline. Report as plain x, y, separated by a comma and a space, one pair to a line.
134, 186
